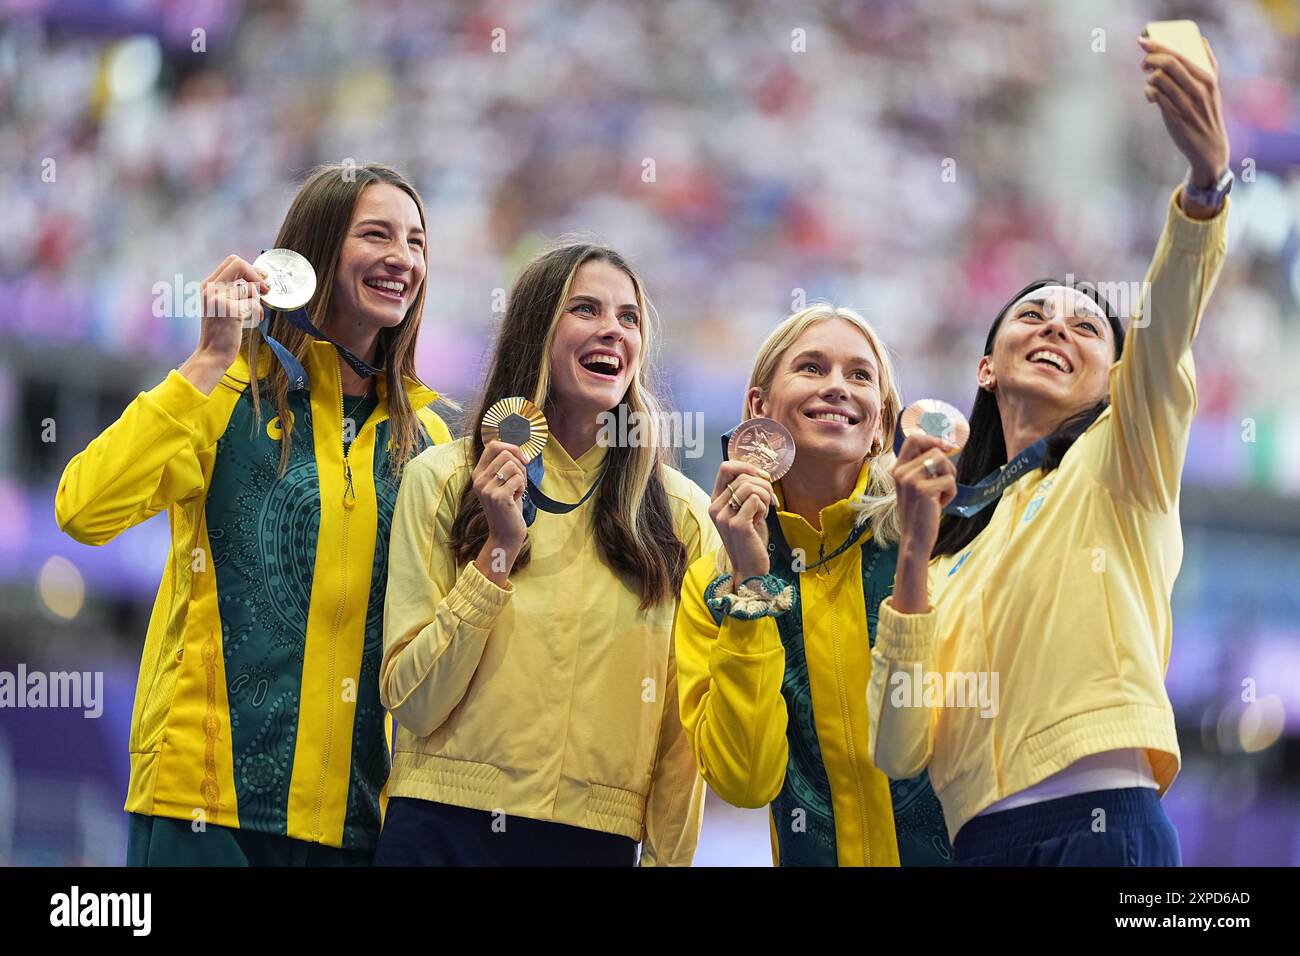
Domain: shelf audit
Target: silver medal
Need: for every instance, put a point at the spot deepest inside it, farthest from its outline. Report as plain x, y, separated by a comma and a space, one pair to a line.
292, 279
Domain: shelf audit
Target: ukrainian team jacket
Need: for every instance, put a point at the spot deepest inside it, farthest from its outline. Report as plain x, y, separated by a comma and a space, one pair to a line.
1064, 598
257, 705
554, 698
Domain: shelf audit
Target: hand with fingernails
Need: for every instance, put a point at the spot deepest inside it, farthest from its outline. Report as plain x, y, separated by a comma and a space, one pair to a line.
500, 479
1192, 109
742, 496
231, 303
926, 480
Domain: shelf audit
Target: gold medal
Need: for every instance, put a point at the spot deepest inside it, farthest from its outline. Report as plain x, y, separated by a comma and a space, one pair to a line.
516, 421
929, 416
765, 443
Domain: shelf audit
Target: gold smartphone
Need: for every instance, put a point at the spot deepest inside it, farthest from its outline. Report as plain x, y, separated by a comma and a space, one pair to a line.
1183, 37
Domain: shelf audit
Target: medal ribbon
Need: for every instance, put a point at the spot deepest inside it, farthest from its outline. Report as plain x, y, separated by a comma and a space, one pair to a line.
972, 499
292, 367
535, 499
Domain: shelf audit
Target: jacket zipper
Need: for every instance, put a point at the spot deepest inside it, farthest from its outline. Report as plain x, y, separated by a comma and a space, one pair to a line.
848, 726
349, 502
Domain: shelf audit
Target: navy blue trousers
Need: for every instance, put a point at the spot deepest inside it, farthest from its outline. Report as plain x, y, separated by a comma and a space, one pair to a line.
1101, 828
424, 833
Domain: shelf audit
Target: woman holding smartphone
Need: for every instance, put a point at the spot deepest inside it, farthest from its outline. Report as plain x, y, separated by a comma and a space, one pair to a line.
1061, 587
774, 632
258, 736
530, 666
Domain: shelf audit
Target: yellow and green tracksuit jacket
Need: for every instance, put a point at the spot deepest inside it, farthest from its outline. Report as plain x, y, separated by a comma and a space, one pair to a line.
775, 708
257, 705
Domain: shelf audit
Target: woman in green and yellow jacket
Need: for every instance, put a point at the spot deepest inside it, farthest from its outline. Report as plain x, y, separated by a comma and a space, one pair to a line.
773, 672
258, 736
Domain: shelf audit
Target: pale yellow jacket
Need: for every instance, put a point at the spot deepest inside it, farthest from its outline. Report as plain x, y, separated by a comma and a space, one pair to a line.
1065, 595
554, 699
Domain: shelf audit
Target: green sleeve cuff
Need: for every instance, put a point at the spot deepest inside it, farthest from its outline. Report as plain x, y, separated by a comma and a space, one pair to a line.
766, 596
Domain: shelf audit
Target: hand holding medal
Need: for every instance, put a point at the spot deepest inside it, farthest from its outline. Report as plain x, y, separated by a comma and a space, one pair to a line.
925, 476
759, 452
232, 291
519, 424
500, 480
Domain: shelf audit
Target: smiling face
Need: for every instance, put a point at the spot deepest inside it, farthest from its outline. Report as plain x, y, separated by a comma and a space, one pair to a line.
597, 343
1056, 346
826, 391
381, 263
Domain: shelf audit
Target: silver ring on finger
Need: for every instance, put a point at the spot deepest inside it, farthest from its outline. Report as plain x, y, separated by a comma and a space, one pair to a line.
501, 477
929, 467
735, 504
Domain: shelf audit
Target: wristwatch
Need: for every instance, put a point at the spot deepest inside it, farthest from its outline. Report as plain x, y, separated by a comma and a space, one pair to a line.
1212, 197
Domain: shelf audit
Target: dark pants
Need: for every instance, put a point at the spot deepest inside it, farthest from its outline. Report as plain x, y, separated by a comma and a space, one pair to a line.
1102, 828
424, 833
162, 841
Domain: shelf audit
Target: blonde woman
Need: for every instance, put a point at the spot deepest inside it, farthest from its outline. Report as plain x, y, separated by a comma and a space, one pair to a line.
774, 632
258, 737
528, 656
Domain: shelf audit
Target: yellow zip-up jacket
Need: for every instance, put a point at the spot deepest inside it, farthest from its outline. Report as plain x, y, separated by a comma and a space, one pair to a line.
1064, 596
555, 698
780, 719
257, 705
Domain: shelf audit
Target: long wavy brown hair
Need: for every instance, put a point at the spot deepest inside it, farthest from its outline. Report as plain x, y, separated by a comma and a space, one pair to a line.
633, 523
315, 227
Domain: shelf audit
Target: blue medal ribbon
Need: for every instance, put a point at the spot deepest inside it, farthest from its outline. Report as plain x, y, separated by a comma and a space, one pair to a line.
292, 367
972, 499
535, 499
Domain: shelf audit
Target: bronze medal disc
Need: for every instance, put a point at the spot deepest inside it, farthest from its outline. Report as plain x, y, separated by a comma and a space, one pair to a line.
765, 443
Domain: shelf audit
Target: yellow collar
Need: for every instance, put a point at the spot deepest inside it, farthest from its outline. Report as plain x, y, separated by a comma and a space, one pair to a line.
558, 459
565, 478
837, 521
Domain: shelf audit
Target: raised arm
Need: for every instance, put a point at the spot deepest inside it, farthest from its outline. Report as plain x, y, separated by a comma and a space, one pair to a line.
1153, 386
148, 459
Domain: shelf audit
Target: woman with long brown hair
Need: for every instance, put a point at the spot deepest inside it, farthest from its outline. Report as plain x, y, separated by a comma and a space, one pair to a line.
276, 449
528, 650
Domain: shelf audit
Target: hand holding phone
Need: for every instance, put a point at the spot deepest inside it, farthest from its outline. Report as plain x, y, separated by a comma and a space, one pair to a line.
1188, 96
1182, 37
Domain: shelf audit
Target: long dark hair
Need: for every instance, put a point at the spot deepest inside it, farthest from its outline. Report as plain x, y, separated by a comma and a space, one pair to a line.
315, 227
633, 522
986, 449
